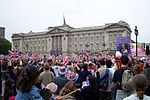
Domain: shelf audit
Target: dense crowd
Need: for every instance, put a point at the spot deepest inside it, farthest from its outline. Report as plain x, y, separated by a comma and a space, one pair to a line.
48, 79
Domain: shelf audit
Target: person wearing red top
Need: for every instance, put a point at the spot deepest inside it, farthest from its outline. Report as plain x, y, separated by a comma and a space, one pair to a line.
117, 59
91, 67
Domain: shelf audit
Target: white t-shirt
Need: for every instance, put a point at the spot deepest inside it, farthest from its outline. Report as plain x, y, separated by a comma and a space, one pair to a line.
56, 70
112, 71
134, 97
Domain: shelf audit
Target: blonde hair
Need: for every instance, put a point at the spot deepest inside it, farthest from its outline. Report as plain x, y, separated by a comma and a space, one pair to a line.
71, 68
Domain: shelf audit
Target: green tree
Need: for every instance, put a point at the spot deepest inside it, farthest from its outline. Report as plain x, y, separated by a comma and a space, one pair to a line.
5, 46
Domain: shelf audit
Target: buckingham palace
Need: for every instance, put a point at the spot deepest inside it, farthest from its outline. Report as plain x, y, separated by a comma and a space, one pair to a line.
66, 39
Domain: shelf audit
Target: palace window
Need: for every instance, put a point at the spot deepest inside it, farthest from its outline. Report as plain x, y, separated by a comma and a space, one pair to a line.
70, 46
97, 46
92, 45
31, 49
103, 38
110, 38
110, 44
43, 48
75, 39
80, 39
86, 38
35, 49
92, 38
80, 47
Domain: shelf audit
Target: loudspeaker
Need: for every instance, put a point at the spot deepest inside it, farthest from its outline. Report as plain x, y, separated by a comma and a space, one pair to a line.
147, 50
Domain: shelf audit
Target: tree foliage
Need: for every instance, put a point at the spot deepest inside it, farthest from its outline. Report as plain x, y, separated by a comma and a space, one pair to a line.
5, 46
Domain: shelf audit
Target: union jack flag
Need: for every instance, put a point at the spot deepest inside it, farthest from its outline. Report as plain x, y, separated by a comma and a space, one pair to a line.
65, 60
86, 55
14, 54
2, 57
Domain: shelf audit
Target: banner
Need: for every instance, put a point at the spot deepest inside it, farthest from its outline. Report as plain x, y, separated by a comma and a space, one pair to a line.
140, 49
123, 44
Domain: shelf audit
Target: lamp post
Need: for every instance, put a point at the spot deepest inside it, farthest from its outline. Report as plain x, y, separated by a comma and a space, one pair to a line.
136, 34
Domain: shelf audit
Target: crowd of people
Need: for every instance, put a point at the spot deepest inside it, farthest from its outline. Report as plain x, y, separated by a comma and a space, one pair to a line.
96, 79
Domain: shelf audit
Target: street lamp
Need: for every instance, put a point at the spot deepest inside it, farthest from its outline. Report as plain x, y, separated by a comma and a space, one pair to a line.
136, 34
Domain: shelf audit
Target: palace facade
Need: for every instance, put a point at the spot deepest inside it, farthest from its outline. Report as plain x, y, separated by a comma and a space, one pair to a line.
66, 39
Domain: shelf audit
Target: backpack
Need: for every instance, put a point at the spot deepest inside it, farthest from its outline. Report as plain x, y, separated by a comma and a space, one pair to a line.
104, 81
126, 82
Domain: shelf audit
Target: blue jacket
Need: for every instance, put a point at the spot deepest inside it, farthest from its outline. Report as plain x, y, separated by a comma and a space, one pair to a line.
34, 94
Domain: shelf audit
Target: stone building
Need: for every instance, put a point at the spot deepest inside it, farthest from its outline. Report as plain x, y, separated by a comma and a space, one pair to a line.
66, 39
2, 32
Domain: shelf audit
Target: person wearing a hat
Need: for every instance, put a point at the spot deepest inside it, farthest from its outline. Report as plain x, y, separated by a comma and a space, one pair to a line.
48, 92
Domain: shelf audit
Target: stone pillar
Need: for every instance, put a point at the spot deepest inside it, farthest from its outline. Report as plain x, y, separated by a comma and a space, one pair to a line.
49, 44
60, 39
106, 40
54, 42
57, 42
65, 45
20, 45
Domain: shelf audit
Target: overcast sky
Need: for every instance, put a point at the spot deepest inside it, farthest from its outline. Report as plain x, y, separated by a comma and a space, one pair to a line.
37, 15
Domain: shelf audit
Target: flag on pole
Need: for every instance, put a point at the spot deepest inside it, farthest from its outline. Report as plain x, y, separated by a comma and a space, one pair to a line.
2, 57
65, 60
86, 54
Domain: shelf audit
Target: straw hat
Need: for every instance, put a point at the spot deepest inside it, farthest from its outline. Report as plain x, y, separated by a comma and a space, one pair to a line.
52, 87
